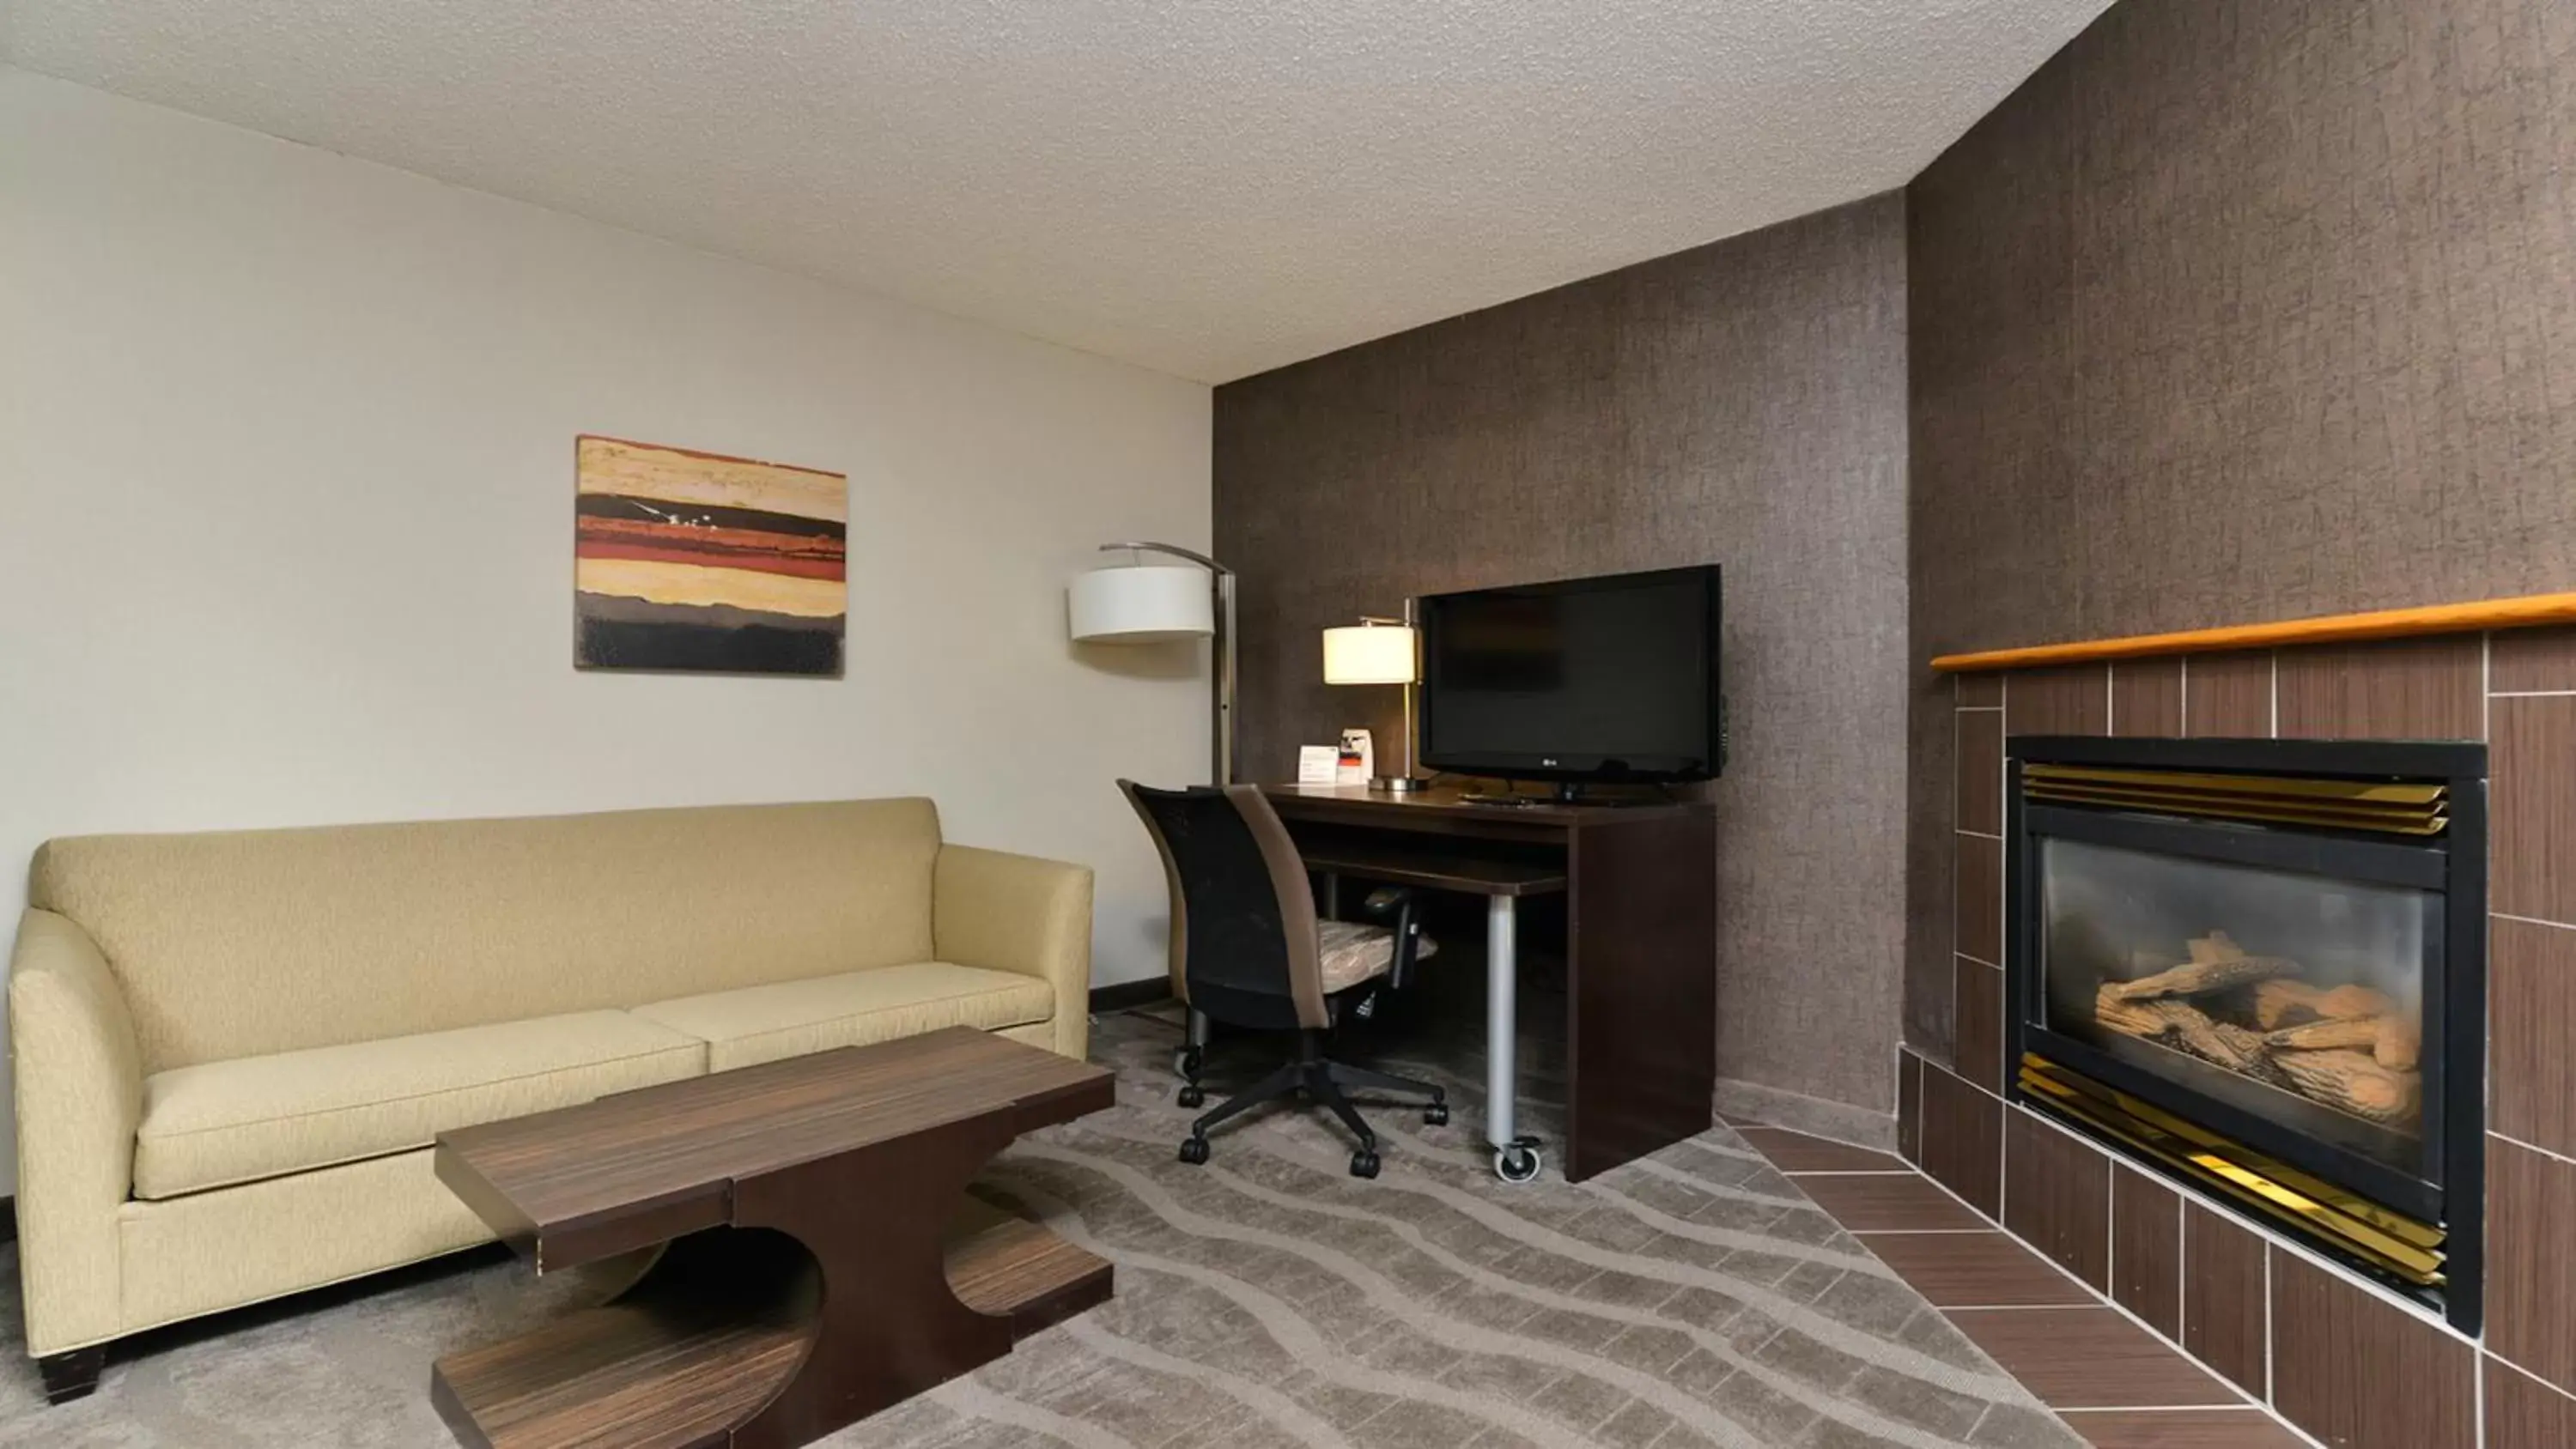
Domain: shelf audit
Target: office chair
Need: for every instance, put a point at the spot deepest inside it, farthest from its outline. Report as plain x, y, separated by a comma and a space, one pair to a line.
1248, 951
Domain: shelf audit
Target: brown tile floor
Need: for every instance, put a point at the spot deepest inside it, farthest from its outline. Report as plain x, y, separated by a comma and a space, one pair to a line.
2117, 1384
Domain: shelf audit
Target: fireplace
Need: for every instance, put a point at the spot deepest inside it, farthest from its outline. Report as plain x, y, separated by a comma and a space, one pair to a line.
2259, 966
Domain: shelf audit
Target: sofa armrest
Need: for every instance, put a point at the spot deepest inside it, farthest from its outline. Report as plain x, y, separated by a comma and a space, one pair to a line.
1019, 913
79, 1081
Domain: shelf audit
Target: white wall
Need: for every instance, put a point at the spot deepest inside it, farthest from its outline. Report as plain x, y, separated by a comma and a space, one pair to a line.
286, 525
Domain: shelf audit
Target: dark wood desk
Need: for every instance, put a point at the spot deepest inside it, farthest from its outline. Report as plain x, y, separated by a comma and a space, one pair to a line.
1641, 941
1435, 871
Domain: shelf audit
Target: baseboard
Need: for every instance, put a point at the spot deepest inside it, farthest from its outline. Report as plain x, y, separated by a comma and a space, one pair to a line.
1815, 1116
1128, 995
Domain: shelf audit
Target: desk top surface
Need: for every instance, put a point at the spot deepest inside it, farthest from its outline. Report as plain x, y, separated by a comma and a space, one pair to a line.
1353, 800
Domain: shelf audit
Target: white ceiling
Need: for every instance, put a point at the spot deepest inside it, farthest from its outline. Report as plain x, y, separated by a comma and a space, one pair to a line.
1205, 187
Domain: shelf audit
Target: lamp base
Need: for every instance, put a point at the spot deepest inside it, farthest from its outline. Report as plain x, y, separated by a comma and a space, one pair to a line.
1398, 784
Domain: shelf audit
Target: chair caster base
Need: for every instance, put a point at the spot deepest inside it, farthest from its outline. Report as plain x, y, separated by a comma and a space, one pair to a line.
1194, 1151
1364, 1163
1436, 1115
1517, 1163
1190, 1097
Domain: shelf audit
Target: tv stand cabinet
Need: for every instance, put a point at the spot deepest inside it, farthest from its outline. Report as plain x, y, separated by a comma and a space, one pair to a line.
1641, 940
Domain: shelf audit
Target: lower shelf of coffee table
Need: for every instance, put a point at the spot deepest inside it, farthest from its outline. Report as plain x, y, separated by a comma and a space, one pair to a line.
711, 1335
1003, 1264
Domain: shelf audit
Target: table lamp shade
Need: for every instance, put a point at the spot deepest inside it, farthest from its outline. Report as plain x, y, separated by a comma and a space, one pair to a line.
1145, 604
1369, 654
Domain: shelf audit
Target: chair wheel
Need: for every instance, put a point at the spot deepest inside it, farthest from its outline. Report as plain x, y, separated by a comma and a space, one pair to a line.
1436, 1115
1187, 1061
1190, 1096
1516, 1163
1363, 1163
1194, 1151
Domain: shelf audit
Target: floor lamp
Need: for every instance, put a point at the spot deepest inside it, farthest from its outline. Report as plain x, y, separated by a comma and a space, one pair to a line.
1157, 603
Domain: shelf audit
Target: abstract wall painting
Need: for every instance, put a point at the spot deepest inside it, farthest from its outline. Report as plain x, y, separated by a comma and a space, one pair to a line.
696, 561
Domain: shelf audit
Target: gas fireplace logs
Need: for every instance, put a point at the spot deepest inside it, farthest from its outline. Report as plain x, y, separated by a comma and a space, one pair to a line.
2187, 1028
2319, 1035
2357, 1083
2349, 1047
2216, 963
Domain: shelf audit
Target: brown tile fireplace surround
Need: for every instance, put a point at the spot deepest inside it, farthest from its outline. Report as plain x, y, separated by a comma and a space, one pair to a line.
2347, 1359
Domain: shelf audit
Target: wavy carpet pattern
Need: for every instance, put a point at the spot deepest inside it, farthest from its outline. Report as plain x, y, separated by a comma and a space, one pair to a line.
1265, 1300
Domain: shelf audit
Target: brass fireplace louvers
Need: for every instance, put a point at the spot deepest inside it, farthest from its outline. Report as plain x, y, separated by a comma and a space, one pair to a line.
2410, 808
2391, 1241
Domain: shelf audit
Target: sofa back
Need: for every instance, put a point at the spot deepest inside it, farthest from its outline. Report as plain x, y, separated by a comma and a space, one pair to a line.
242, 943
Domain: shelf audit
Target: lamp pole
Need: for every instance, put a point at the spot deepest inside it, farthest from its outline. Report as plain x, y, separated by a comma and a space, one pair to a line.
1221, 648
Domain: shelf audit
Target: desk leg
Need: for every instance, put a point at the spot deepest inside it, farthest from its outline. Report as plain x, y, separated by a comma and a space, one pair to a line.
1514, 1159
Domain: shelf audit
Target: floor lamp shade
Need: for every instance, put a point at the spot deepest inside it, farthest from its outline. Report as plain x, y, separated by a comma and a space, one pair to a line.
1160, 602
1145, 604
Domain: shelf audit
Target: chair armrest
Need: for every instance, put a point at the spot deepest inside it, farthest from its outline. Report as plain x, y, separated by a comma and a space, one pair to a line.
79, 1081
1019, 913
1399, 909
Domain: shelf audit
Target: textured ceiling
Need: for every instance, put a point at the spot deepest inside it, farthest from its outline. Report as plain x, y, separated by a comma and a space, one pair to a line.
1206, 187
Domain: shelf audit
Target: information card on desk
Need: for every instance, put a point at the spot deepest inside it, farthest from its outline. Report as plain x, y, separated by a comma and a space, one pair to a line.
1318, 764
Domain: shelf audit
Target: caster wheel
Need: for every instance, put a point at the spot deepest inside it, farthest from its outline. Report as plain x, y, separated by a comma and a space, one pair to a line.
1187, 1061
1516, 1163
1363, 1163
1190, 1097
1194, 1151
1436, 1115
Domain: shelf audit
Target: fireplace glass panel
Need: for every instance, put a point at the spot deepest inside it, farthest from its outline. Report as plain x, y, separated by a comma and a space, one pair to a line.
2296, 997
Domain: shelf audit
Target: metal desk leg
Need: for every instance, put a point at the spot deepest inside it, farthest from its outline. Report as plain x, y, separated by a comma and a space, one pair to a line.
1515, 1157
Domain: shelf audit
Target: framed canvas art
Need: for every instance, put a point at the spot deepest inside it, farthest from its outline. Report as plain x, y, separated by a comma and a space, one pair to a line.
697, 561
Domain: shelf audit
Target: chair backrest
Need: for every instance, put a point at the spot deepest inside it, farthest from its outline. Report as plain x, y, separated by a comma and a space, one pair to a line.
242, 943
1243, 919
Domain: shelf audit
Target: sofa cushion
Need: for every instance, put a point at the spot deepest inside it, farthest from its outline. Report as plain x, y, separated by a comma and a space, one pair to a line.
258, 1117
755, 1024
242, 943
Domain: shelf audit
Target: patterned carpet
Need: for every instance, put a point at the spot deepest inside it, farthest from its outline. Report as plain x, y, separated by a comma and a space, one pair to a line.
1265, 1300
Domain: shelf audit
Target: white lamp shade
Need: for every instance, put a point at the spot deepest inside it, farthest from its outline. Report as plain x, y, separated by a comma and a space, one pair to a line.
1147, 604
1369, 654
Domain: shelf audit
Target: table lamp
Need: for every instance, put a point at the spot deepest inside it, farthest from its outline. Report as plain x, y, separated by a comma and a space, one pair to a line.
1159, 603
1378, 651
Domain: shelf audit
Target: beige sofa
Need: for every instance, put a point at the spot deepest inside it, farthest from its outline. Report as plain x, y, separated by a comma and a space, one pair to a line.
232, 1051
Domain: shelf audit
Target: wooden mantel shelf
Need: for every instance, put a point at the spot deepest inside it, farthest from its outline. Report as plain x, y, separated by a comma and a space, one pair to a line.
2522, 613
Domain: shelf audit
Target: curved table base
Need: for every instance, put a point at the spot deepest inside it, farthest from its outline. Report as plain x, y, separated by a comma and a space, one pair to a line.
843, 1286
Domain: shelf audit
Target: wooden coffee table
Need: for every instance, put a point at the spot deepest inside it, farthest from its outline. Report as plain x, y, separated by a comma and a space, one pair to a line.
821, 1260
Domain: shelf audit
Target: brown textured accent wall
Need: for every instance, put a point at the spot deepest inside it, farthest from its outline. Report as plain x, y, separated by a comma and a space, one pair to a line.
2237, 310
1742, 403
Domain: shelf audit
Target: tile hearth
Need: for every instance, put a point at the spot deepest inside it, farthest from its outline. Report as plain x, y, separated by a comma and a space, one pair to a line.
2106, 1376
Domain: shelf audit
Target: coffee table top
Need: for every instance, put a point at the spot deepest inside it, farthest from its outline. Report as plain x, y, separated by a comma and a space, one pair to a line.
639, 1168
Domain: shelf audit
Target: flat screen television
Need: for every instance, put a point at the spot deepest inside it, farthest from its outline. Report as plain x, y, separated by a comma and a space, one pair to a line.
1603, 679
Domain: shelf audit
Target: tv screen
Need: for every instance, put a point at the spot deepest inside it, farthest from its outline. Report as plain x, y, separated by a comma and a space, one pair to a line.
1612, 678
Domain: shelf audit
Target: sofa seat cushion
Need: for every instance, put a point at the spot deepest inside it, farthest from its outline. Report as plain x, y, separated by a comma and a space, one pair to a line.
220, 1123
754, 1024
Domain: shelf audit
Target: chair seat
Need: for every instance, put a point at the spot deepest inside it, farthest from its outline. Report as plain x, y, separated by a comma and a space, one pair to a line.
221, 1123
756, 1024
1350, 952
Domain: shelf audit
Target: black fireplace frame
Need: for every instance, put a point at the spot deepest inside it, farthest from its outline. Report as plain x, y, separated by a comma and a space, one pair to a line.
2451, 1187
